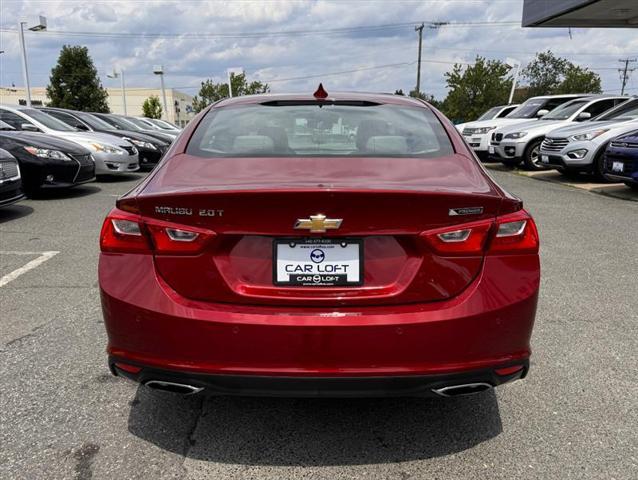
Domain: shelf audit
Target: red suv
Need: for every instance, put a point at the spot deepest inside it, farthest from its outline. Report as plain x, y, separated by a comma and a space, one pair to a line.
319, 245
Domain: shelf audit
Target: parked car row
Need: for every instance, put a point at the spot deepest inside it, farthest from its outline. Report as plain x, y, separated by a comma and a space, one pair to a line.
57, 148
575, 136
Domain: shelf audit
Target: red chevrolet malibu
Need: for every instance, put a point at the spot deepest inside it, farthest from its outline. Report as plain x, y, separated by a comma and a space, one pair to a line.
319, 245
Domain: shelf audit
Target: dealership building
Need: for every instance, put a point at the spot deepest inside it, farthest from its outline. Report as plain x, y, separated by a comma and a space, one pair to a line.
180, 105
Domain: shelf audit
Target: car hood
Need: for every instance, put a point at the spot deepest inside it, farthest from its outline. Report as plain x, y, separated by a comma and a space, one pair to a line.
496, 122
92, 137
534, 126
586, 127
135, 136
43, 140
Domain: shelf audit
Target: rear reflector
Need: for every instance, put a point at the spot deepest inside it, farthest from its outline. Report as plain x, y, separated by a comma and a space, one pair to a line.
508, 370
128, 368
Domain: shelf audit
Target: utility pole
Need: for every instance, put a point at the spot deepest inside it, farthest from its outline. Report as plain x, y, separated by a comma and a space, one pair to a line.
418, 68
625, 72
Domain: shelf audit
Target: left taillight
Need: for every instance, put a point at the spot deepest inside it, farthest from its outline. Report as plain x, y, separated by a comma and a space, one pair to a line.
124, 232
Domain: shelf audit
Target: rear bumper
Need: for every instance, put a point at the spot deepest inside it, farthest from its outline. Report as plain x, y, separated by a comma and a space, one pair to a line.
487, 326
296, 386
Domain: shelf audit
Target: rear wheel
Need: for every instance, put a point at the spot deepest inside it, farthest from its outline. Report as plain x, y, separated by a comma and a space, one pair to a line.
532, 156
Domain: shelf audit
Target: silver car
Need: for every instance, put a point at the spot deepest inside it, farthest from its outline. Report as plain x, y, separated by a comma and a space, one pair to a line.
112, 155
581, 148
518, 143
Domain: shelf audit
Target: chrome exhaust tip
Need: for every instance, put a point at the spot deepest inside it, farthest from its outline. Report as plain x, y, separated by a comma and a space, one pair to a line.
462, 389
173, 387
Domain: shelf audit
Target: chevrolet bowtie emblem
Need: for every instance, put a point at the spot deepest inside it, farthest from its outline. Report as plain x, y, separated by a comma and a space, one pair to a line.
318, 223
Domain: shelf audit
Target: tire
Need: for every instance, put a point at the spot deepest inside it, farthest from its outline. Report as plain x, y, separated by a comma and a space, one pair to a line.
598, 166
632, 185
532, 156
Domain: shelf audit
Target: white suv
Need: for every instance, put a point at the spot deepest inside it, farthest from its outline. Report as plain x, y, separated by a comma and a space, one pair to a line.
521, 142
477, 134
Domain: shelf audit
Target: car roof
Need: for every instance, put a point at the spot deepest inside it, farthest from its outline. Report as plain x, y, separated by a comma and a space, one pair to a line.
383, 98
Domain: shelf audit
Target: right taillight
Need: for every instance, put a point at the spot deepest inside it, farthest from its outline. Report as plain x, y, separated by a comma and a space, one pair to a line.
514, 233
124, 232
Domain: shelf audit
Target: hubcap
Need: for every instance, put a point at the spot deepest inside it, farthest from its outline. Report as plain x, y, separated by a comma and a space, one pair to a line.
534, 156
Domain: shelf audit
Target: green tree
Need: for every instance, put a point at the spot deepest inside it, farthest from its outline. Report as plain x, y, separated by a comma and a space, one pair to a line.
474, 89
211, 92
152, 108
548, 74
74, 82
579, 80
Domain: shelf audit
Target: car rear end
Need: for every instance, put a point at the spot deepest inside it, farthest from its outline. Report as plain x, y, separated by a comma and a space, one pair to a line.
248, 264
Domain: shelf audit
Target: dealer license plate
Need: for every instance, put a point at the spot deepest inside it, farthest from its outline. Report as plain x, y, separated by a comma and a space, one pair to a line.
318, 262
617, 167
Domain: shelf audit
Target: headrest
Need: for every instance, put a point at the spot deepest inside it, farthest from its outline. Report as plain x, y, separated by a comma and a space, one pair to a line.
388, 144
253, 144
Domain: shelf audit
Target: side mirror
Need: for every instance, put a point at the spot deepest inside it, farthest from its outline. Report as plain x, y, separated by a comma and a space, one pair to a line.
583, 116
29, 127
542, 113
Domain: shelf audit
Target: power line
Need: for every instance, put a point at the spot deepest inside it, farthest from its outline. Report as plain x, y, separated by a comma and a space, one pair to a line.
283, 33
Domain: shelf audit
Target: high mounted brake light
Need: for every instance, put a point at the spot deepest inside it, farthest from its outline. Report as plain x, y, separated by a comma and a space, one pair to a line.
124, 232
514, 233
320, 93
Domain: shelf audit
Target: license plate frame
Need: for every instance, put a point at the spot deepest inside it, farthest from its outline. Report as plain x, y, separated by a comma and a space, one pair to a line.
617, 167
326, 279
491, 150
545, 158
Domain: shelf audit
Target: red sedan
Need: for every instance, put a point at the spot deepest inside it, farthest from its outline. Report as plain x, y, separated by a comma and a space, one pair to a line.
319, 245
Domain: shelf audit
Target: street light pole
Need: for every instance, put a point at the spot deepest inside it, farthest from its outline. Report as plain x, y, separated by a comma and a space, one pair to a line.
25, 67
511, 62
159, 70
230, 85
42, 25
121, 75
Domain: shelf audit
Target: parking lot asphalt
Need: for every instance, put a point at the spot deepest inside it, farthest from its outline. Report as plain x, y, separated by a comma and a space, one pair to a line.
62, 415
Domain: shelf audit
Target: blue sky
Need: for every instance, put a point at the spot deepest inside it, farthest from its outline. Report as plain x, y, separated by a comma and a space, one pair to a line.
215, 41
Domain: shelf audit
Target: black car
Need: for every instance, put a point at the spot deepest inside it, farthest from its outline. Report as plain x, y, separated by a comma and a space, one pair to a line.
121, 123
47, 161
150, 149
10, 181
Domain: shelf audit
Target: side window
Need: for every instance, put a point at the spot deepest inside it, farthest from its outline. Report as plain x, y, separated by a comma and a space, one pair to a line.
68, 119
599, 107
505, 111
12, 119
552, 103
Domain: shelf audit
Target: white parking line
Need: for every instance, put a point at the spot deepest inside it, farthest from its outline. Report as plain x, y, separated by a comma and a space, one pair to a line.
44, 256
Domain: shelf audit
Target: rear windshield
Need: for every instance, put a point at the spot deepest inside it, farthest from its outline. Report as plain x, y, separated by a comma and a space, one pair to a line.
302, 130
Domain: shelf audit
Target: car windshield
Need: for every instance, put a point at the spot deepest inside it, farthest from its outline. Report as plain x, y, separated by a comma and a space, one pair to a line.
94, 122
140, 123
119, 123
48, 121
623, 112
162, 124
305, 129
490, 114
528, 109
565, 111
